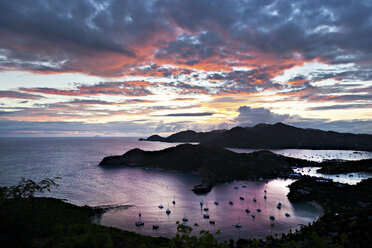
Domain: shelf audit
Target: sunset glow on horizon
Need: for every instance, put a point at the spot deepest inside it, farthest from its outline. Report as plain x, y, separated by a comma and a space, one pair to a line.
134, 68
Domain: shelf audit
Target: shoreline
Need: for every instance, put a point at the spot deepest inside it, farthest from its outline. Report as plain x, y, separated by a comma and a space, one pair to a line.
319, 208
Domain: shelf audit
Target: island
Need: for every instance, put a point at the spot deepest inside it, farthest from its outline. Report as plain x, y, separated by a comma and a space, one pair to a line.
277, 136
216, 164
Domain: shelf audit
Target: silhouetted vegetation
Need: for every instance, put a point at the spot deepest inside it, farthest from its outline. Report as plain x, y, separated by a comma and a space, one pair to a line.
28, 221
26, 188
183, 239
341, 167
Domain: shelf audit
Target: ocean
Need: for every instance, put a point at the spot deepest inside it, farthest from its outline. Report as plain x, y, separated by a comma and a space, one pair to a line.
130, 191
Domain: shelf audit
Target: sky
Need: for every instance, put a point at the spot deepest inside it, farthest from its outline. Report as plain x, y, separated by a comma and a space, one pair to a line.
134, 68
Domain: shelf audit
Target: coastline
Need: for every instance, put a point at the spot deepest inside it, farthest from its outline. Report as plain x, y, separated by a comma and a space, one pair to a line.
318, 207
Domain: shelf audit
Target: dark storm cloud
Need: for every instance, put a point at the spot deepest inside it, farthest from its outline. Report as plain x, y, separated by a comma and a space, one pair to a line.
37, 34
315, 29
62, 35
62, 23
191, 49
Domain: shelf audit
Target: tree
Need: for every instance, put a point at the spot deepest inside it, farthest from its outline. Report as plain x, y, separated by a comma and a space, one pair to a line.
183, 239
26, 188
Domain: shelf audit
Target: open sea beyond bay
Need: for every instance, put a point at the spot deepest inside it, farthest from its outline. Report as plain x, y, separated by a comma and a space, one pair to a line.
128, 191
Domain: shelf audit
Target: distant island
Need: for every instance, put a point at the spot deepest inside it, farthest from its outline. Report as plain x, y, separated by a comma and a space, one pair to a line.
217, 164
214, 164
277, 136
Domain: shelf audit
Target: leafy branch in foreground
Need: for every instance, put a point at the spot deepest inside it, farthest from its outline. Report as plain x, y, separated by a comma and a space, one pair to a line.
26, 188
184, 240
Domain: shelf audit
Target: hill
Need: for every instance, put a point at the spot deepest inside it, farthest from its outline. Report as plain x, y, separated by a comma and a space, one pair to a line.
214, 164
277, 136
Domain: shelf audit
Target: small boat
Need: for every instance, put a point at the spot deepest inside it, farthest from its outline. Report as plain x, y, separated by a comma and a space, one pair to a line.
254, 199
247, 210
237, 225
231, 203
168, 211
139, 223
258, 210
212, 222
253, 215
206, 207
241, 198
155, 226
287, 215
272, 217
202, 188
161, 206
216, 202
206, 216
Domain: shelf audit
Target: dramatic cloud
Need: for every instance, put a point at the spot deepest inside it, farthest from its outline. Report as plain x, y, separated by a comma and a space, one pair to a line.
90, 61
190, 114
18, 95
66, 36
135, 88
342, 106
251, 116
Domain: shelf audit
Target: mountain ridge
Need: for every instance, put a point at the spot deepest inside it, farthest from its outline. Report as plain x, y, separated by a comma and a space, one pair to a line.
275, 136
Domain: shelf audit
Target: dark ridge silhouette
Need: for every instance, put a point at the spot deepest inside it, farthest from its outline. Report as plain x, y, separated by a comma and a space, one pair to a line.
217, 164
277, 136
214, 164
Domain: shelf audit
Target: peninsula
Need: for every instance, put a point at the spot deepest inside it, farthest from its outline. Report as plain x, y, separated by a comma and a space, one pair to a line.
217, 164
